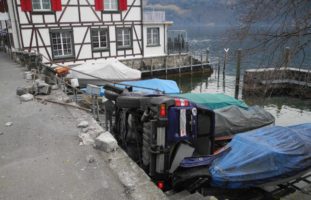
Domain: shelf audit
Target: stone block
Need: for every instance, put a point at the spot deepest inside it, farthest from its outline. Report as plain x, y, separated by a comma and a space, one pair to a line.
83, 124
26, 97
106, 142
21, 91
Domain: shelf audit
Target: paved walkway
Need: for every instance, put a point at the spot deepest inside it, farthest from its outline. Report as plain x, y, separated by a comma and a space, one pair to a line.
40, 156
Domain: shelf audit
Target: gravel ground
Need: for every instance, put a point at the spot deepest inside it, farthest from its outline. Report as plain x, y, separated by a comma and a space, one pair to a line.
40, 153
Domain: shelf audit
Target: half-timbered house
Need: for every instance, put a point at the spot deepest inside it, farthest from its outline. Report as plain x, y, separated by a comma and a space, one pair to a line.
74, 31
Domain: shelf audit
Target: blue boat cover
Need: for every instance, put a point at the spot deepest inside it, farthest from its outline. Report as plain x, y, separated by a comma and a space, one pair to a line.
166, 86
262, 156
156, 86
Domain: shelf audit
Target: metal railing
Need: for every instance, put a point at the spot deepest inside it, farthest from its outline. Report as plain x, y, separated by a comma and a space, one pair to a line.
154, 16
177, 41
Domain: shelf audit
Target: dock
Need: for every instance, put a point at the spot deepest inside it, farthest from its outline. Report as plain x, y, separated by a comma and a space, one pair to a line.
294, 82
169, 64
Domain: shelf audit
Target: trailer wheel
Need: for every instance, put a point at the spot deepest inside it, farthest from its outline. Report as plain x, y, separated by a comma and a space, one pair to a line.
111, 95
128, 101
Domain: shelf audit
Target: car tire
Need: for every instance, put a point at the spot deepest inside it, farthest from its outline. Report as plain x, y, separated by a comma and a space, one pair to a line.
128, 101
110, 95
113, 88
147, 134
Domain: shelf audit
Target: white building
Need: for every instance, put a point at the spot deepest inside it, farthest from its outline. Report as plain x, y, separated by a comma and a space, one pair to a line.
74, 31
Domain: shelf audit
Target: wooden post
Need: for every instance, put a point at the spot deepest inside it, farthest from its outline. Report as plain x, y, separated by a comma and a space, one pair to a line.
191, 64
238, 71
179, 67
175, 65
225, 63
166, 64
142, 67
151, 67
202, 60
207, 54
287, 57
218, 70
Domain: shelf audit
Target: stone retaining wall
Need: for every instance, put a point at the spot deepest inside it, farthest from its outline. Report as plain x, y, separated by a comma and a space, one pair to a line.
167, 64
283, 81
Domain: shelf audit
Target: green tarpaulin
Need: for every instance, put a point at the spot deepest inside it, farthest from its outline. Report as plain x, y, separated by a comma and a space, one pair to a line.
213, 101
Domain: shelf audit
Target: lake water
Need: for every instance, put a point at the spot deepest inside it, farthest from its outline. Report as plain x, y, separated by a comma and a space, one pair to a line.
287, 110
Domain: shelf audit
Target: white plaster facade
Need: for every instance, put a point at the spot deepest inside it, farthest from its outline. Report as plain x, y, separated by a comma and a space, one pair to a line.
32, 30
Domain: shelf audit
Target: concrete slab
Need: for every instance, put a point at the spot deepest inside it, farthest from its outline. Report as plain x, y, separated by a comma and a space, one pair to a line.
40, 154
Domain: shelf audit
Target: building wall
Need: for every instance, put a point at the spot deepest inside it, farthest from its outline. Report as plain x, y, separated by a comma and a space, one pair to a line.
14, 28
80, 16
158, 50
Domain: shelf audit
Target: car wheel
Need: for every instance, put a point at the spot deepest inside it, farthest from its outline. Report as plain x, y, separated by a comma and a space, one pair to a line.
128, 101
111, 95
113, 88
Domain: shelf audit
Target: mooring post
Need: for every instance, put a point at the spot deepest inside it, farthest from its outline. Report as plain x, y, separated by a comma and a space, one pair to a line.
166, 64
207, 54
225, 62
179, 67
287, 56
202, 60
151, 67
191, 63
218, 70
238, 71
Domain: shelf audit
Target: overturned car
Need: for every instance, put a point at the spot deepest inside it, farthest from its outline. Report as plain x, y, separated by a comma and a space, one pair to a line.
173, 140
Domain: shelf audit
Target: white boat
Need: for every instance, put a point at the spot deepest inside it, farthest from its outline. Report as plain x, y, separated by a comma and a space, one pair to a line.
100, 73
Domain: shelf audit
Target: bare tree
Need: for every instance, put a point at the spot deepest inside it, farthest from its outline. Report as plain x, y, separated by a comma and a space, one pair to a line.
275, 24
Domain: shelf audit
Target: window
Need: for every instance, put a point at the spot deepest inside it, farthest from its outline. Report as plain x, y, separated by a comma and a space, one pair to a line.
99, 38
62, 43
124, 38
111, 5
153, 37
41, 5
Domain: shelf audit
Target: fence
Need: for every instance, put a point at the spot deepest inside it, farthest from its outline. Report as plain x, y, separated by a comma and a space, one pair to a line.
154, 16
177, 42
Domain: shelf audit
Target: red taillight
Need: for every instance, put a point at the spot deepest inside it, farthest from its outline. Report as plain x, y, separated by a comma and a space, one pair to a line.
162, 110
181, 102
160, 185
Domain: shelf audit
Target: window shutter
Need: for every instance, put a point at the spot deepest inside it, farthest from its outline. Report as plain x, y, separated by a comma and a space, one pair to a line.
99, 5
122, 5
26, 5
56, 5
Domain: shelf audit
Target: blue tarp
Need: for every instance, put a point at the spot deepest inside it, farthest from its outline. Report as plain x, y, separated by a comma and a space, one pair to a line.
262, 156
156, 85
166, 86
